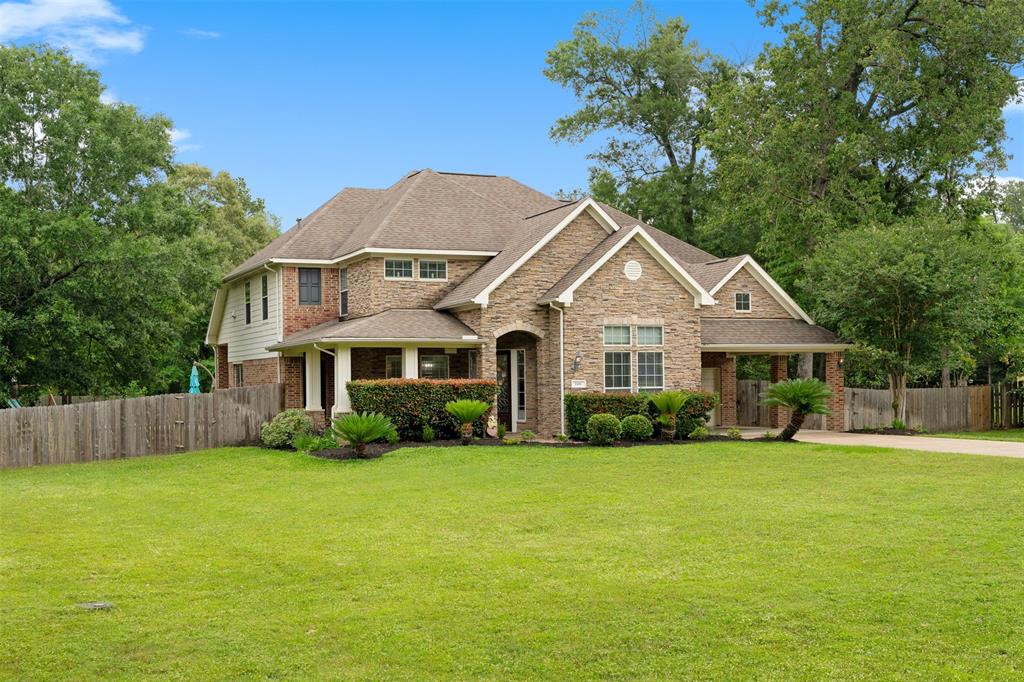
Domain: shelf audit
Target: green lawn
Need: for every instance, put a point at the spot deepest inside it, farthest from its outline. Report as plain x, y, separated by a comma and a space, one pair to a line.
720, 560
1007, 434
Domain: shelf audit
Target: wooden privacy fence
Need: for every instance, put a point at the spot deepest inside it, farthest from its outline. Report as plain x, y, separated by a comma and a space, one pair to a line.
130, 427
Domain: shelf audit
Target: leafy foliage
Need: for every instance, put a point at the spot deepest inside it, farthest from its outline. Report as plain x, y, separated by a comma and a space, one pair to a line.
361, 428
603, 429
580, 406
309, 442
467, 412
411, 403
282, 430
801, 397
699, 433
637, 427
734, 434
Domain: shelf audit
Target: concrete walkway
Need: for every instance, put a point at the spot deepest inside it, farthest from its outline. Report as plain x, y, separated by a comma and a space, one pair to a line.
964, 446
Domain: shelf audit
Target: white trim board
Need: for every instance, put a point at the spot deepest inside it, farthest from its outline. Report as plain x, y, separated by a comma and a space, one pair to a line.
700, 295
588, 205
769, 285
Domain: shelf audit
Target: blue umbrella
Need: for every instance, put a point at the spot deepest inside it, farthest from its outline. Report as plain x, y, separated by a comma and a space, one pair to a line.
193, 381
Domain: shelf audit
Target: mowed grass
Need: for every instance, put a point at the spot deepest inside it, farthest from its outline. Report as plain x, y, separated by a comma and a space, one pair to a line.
998, 434
719, 560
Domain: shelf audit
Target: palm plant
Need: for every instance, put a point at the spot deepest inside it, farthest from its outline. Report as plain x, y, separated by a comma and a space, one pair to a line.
802, 397
361, 428
467, 412
668, 404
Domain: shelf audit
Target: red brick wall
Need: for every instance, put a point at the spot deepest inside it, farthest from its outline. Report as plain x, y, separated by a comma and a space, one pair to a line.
298, 317
727, 369
291, 376
778, 416
836, 420
223, 369
256, 372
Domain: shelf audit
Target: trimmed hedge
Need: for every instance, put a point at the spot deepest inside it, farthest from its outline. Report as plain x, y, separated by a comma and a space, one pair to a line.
412, 404
579, 407
603, 429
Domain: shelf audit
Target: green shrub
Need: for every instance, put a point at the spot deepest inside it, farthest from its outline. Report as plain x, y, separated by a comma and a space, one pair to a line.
801, 397
699, 433
769, 434
668, 404
694, 412
603, 429
428, 434
502, 431
467, 412
411, 403
308, 442
734, 434
527, 435
899, 425
637, 427
360, 428
579, 407
280, 431
561, 437
392, 437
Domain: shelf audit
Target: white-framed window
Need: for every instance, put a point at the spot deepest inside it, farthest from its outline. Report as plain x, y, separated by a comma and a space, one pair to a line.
472, 365
248, 303
617, 371
433, 269
616, 335
650, 370
742, 302
398, 268
265, 295
521, 385
343, 294
433, 366
650, 335
393, 367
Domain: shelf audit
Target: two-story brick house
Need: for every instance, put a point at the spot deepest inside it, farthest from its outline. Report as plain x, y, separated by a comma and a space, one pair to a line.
448, 275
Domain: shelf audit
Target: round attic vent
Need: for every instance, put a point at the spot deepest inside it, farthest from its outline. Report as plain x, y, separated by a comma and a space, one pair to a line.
633, 270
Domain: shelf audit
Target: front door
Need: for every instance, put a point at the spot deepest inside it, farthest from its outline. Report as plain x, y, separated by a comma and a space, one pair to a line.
505, 388
710, 382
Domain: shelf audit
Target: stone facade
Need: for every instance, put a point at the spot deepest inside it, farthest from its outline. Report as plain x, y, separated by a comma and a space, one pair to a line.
370, 293
656, 298
298, 317
762, 304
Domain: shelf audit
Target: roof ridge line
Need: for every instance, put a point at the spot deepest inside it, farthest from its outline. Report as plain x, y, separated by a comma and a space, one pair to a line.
553, 208
507, 209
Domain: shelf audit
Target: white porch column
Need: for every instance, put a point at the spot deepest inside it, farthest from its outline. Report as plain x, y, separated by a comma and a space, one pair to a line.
313, 381
411, 363
342, 375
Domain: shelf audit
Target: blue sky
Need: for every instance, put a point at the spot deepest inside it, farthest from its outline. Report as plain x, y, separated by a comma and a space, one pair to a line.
302, 99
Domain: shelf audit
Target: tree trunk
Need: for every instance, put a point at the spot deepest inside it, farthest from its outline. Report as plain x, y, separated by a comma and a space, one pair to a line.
898, 388
946, 382
669, 429
467, 433
793, 426
360, 449
805, 366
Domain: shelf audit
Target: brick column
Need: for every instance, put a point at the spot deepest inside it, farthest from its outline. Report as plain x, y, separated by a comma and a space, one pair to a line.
778, 416
223, 371
836, 419
291, 376
728, 378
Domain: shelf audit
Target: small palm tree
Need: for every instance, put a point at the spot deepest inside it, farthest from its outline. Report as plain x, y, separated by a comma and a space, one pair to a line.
467, 412
668, 404
802, 397
361, 428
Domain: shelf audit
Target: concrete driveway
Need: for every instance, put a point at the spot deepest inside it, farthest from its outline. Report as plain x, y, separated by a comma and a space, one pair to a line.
964, 446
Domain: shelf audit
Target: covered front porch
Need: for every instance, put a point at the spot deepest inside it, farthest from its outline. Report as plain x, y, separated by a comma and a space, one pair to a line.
819, 353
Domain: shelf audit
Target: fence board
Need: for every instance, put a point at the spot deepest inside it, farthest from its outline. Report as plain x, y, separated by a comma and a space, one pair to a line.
960, 408
111, 429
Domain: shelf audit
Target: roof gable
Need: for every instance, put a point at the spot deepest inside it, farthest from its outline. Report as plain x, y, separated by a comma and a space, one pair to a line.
764, 279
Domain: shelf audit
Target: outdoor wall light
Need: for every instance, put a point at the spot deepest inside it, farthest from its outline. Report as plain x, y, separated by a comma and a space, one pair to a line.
840, 364
576, 361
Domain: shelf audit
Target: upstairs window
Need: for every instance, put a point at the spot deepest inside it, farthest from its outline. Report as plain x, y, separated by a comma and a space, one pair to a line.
433, 269
742, 302
309, 286
649, 335
616, 335
265, 293
397, 268
248, 303
343, 296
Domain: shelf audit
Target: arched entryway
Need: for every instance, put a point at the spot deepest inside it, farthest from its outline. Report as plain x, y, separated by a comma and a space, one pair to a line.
516, 365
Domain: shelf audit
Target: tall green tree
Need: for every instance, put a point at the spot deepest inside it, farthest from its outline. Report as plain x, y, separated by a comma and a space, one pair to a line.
867, 110
915, 292
646, 87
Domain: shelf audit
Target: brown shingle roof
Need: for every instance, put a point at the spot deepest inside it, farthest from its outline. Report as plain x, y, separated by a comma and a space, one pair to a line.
711, 273
399, 324
747, 332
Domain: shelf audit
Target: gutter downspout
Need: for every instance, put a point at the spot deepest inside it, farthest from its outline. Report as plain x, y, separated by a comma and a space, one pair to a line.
324, 350
561, 364
280, 314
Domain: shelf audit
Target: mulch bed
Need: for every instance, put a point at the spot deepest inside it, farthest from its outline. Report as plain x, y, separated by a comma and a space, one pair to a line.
375, 450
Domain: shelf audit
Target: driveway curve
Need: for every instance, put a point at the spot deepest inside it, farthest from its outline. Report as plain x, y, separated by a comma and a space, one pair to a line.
966, 446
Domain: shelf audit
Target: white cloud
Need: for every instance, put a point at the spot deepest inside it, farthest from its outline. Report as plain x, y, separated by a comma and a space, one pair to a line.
1016, 105
108, 97
1006, 179
200, 33
85, 27
179, 138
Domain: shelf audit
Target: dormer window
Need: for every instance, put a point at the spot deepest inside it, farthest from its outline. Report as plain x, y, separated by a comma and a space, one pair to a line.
742, 302
398, 268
